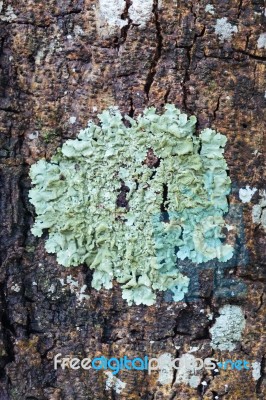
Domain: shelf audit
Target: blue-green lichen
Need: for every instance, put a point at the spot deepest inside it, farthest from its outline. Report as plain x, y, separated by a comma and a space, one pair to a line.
228, 328
132, 199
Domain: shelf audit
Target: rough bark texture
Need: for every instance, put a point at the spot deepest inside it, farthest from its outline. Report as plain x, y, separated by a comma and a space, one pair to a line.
58, 61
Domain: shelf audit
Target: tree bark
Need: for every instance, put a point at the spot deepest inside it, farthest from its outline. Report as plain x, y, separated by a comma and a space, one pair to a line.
63, 62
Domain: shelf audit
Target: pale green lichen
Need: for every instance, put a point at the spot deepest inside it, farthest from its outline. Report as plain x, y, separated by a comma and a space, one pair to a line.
228, 328
173, 206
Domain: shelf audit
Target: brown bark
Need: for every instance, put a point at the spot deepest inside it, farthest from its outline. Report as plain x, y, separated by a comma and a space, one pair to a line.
47, 77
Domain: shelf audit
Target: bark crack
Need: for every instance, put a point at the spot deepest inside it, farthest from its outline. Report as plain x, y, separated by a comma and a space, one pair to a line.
7, 329
259, 58
64, 14
158, 51
9, 110
189, 50
217, 107
29, 23
166, 95
247, 40
186, 77
125, 16
239, 8
132, 110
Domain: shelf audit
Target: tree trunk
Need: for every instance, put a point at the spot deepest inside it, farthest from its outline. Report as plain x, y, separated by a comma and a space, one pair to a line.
63, 62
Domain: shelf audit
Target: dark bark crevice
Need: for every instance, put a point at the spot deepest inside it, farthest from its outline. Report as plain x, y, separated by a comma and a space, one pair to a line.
125, 16
217, 107
252, 56
239, 8
189, 54
158, 51
8, 330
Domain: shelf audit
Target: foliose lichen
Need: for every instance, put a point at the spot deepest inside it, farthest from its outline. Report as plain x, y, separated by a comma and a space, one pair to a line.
132, 201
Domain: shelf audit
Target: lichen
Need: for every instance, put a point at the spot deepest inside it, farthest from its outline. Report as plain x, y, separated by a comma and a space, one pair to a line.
140, 12
259, 210
72, 120
262, 41
224, 29
186, 372
131, 201
246, 194
165, 369
228, 327
256, 370
114, 383
109, 14
9, 15
210, 8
